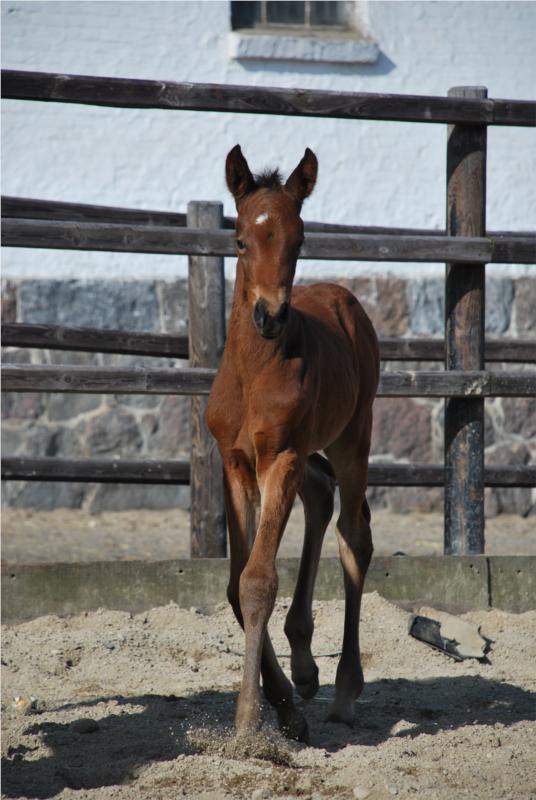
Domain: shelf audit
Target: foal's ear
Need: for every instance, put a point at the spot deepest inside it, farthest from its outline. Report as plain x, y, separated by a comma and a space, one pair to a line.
240, 181
302, 181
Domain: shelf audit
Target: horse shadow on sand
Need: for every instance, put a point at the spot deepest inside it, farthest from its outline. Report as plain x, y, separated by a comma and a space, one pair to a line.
148, 728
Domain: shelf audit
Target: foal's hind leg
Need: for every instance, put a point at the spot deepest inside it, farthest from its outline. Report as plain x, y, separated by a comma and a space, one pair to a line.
316, 492
355, 547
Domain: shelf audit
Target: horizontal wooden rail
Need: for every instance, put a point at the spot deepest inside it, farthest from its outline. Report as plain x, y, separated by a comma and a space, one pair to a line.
58, 234
106, 380
188, 381
28, 208
387, 474
93, 340
503, 350
95, 470
457, 383
178, 472
129, 93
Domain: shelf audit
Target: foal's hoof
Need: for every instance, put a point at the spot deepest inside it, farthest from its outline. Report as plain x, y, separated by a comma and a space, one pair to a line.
308, 689
305, 677
341, 711
293, 725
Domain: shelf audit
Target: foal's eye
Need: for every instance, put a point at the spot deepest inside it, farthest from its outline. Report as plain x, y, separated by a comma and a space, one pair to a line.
240, 244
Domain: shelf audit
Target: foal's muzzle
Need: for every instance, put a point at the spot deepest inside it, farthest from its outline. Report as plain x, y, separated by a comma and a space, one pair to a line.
269, 325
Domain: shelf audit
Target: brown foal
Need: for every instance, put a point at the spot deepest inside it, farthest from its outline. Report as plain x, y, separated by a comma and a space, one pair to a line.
299, 374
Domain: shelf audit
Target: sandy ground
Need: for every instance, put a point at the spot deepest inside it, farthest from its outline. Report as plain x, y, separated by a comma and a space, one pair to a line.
160, 689
65, 535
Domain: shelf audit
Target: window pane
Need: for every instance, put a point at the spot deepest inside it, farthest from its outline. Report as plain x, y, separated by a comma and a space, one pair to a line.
245, 14
292, 13
327, 13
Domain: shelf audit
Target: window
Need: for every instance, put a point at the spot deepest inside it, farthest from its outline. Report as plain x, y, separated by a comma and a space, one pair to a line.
304, 15
303, 30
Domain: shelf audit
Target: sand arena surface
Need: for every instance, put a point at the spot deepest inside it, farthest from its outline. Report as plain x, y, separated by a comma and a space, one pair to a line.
161, 687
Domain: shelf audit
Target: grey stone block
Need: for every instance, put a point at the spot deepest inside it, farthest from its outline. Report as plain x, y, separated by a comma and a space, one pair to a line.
144, 401
12, 439
43, 496
174, 303
510, 501
403, 499
65, 442
426, 301
29, 439
525, 306
402, 427
110, 497
168, 431
67, 406
28, 406
40, 440
126, 305
115, 431
520, 416
499, 298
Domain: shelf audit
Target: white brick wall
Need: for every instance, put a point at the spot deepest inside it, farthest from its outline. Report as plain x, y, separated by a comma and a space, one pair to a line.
370, 172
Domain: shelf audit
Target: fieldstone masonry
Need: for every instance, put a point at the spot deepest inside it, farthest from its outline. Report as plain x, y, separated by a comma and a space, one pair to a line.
124, 426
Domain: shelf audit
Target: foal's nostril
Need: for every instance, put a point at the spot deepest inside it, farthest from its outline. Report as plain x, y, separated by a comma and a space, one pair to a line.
260, 314
269, 325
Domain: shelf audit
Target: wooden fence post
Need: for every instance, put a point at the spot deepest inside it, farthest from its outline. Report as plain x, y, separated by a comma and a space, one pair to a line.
206, 330
464, 336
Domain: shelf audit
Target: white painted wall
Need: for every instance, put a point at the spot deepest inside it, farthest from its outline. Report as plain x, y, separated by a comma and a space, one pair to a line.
377, 173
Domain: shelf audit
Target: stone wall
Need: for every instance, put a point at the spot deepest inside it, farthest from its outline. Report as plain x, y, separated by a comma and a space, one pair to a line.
123, 426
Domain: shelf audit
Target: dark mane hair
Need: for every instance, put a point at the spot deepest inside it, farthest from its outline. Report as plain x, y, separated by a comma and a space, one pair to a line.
269, 179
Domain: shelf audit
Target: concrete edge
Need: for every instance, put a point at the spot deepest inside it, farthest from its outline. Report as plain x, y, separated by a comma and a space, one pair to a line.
455, 583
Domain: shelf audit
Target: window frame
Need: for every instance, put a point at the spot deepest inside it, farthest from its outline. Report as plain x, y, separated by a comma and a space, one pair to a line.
348, 45
305, 28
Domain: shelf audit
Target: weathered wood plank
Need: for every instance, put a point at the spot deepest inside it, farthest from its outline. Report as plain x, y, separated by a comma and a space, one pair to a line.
381, 474
503, 350
206, 302
66, 235
188, 381
459, 383
464, 336
106, 380
95, 470
28, 208
129, 93
178, 472
92, 340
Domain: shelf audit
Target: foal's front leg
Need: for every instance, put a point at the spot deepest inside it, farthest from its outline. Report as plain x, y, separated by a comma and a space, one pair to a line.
278, 479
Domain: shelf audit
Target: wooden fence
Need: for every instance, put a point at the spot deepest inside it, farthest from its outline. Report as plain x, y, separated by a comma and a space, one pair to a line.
206, 237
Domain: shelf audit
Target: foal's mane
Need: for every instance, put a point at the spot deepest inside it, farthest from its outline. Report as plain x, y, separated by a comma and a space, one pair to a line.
269, 179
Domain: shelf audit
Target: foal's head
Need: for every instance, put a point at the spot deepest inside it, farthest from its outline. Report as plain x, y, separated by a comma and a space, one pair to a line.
269, 234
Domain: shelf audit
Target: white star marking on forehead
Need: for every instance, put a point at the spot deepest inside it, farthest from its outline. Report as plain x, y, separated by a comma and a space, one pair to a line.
261, 218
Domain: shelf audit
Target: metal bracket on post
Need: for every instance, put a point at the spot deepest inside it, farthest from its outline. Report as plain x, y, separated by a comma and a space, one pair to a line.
206, 331
464, 336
